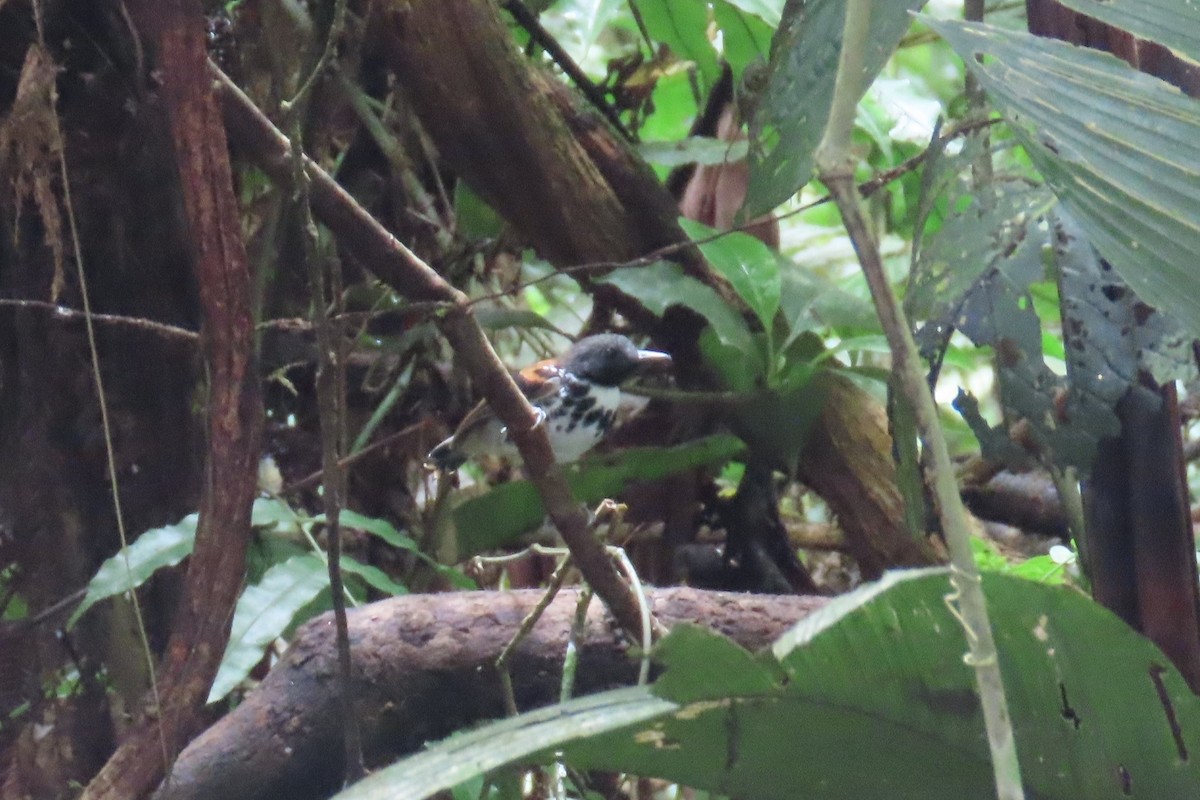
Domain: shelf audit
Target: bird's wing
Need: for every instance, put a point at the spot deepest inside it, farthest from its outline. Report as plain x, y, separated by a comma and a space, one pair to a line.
537, 382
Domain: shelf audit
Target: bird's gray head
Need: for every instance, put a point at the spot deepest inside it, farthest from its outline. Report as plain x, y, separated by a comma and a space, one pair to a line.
608, 359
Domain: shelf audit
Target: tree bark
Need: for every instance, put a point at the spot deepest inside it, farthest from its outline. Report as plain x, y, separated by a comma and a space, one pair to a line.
174, 33
425, 669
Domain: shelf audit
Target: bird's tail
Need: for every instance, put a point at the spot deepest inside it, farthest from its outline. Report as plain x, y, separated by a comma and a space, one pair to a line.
445, 456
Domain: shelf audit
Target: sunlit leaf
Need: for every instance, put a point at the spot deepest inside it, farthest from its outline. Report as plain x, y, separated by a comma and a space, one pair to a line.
746, 37
684, 28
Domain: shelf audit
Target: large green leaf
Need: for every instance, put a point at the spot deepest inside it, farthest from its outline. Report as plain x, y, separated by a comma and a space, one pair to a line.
748, 264
263, 613
1120, 149
745, 36
870, 697
683, 26
386, 531
133, 566
492, 519
167, 546
462, 757
660, 285
791, 111
1172, 23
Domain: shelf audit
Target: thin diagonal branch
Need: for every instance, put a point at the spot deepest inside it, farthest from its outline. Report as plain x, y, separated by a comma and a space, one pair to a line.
363, 235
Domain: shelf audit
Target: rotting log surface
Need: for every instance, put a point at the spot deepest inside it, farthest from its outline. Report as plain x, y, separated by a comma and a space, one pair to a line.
424, 666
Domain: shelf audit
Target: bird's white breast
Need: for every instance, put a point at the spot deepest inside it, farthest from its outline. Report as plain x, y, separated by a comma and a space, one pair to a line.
575, 425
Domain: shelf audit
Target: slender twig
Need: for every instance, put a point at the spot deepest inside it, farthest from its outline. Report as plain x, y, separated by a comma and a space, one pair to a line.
331, 402
363, 235
595, 95
554, 585
866, 189
63, 312
967, 600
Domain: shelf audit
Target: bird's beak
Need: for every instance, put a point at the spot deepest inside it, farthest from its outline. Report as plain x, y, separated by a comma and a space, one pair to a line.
653, 360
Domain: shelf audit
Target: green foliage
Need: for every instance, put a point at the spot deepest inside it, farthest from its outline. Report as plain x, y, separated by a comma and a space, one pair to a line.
746, 36
1042, 569
507, 511
1118, 147
684, 28
774, 368
153, 550
263, 612
1110, 337
877, 672
287, 585
748, 264
791, 112
384, 530
661, 285
516, 740
474, 217
692, 150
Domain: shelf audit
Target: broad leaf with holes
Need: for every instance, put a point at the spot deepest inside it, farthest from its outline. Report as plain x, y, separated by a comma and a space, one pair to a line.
878, 673
1120, 149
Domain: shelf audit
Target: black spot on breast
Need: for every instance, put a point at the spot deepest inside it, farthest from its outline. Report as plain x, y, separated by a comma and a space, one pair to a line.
594, 416
584, 403
574, 388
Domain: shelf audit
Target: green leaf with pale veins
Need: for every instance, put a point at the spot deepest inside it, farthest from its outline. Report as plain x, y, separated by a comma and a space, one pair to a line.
1120, 149
1175, 24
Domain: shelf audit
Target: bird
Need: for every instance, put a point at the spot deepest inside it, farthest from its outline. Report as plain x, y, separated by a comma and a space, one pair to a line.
576, 395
